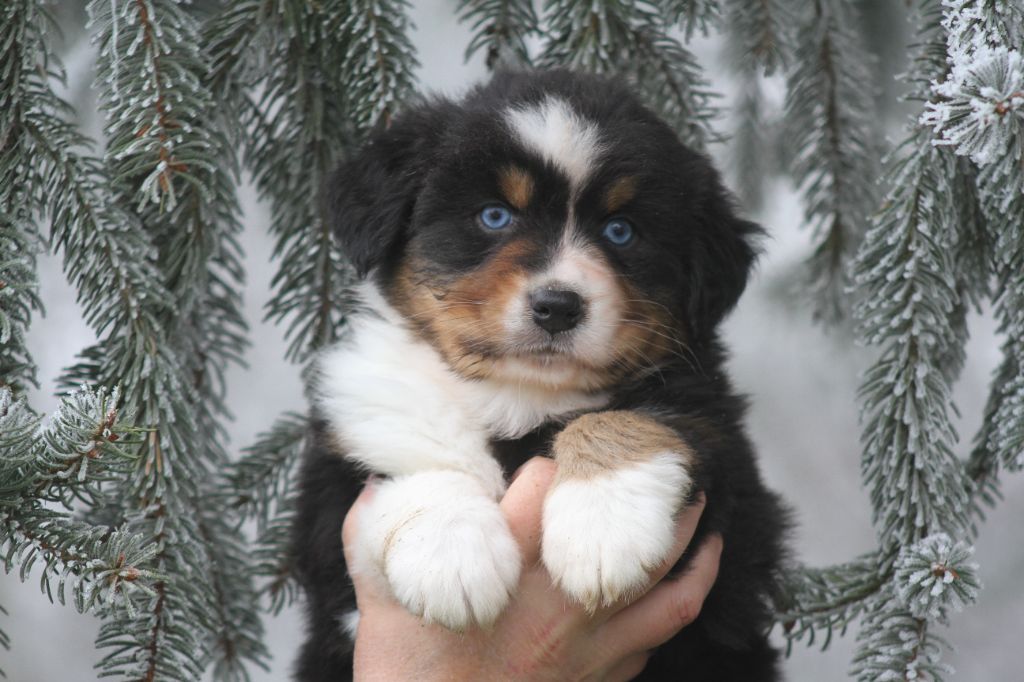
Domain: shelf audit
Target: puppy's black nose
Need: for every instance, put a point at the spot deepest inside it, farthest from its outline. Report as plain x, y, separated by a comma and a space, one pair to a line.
556, 311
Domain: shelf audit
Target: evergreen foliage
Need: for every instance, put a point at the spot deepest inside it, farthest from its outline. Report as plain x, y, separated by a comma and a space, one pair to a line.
126, 502
637, 42
759, 42
829, 124
501, 28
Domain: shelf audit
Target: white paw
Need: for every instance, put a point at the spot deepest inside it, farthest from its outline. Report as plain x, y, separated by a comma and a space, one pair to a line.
603, 535
443, 547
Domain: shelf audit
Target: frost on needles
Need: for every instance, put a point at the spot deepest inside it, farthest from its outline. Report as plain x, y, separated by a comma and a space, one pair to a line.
126, 502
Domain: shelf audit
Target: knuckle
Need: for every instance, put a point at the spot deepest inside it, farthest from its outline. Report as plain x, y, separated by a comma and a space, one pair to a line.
684, 609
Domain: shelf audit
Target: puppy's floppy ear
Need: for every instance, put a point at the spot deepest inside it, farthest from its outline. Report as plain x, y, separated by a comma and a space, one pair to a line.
726, 257
368, 200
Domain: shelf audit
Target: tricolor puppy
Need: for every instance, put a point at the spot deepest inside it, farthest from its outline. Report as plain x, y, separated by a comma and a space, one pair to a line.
545, 266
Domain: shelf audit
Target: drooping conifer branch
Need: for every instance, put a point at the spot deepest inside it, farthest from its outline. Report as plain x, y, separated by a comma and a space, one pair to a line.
635, 41
835, 156
172, 168
500, 28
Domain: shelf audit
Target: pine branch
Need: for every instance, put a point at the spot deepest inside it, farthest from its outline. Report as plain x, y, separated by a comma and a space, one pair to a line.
105, 256
19, 287
18, 238
105, 569
377, 59
915, 293
978, 111
829, 598
912, 304
177, 616
633, 40
174, 165
672, 79
896, 646
42, 166
757, 30
84, 445
264, 476
500, 28
692, 15
984, 464
935, 577
108, 259
274, 558
752, 143
263, 489
151, 75
238, 629
974, 263
904, 272
69, 458
293, 147
835, 162
759, 42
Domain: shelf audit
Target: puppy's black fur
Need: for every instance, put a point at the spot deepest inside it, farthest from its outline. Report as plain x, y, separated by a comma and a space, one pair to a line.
694, 260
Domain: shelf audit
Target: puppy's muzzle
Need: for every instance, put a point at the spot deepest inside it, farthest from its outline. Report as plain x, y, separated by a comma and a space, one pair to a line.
556, 310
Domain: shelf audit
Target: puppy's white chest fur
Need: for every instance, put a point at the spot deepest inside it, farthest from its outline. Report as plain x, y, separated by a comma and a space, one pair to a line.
393, 402
434, 533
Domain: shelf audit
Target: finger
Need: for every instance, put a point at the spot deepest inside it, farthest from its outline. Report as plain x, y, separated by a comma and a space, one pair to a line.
365, 589
523, 505
666, 609
349, 528
628, 668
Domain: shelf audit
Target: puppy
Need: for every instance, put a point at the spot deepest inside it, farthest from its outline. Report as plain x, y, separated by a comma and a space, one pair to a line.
544, 268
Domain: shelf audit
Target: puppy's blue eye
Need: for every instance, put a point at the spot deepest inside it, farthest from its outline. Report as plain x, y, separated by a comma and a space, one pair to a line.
495, 217
618, 232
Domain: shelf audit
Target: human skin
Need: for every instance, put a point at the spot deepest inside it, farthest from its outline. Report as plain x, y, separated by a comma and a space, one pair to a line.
542, 635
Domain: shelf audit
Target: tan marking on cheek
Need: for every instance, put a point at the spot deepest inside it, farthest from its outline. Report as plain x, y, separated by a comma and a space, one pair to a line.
517, 186
463, 318
620, 193
604, 441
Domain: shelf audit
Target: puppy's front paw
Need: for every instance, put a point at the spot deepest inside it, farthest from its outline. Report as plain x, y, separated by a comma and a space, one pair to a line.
444, 548
603, 534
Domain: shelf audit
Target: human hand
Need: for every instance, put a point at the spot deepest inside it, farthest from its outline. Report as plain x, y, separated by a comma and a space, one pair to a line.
542, 635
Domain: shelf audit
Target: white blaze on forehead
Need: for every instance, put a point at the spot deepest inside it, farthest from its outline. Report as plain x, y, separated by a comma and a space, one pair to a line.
559, 135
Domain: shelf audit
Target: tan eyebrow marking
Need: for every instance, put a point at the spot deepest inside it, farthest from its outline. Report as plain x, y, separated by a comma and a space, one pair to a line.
620, 193
517, 186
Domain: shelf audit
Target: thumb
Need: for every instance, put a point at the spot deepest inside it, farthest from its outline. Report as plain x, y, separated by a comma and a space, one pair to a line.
362, 575
523, 505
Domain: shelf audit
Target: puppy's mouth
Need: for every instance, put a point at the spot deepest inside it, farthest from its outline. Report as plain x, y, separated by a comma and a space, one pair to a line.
555, 349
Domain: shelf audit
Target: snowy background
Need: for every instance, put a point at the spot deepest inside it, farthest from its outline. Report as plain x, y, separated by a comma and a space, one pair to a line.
801, 380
